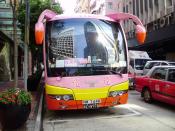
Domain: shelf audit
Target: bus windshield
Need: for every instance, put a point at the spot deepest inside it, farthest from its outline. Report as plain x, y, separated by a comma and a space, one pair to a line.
84, 46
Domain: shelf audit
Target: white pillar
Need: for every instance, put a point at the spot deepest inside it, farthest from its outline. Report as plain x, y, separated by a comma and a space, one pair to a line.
153, 10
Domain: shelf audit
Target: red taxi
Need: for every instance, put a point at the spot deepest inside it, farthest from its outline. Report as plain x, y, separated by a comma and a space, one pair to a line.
157, 84
131, 78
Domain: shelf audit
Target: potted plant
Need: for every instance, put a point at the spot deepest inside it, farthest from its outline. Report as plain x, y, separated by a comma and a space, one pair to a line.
15, 107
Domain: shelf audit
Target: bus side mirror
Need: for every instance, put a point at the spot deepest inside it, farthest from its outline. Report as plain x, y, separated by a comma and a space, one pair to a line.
39, 33
140, 33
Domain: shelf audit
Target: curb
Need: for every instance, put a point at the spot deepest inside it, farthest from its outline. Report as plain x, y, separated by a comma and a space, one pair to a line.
38, 122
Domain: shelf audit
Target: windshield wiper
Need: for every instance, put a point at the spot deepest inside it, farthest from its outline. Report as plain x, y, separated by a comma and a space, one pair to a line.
102, 68
114, 72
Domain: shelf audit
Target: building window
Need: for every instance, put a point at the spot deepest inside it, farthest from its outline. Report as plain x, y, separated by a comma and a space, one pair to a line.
94, 12
169, 2
137, 7
133, 6
110, 5
141, 6
123, 9
156, 2
127, 9
2, 1
151, 4
146, 5
130, 7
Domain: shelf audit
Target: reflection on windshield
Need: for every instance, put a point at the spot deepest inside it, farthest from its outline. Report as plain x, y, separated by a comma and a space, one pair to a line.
84, 43
95, 50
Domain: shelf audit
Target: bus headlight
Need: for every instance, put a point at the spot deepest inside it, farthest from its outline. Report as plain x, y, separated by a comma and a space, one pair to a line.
62, 97
66, 97
58, 97
117, 93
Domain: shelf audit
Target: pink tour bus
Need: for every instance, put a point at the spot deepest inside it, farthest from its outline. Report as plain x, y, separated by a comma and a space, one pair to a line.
85, 59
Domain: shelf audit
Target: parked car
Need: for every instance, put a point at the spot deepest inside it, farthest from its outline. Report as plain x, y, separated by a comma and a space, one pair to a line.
171, 63
150, 64
137, 60
158, 84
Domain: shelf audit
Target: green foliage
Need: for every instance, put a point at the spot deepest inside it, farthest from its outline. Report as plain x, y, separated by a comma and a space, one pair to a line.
36, 8
15, 96
24, 98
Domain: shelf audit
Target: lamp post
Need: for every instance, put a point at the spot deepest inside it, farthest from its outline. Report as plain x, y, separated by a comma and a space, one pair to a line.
14, 5
26, 43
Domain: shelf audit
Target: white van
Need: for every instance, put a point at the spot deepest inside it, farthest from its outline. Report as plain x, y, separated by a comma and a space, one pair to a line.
137, 61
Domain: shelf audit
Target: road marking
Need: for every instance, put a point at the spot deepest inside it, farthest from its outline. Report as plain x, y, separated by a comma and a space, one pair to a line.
137, 107
131, 113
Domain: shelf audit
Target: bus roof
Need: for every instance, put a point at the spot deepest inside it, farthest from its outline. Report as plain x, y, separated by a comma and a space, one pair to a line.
69, 16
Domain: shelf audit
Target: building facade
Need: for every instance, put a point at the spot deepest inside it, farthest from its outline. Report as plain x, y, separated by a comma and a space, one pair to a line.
7, 44
82, 6
101, 7
6, 20
158, 16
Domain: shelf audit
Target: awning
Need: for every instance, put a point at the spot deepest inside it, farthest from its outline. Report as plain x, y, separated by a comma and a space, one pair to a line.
154, 38
4, 37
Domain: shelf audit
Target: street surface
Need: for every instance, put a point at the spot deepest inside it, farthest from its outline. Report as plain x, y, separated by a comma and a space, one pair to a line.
134, 116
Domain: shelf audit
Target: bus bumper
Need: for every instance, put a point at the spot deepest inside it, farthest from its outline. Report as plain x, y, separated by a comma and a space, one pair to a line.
58, 98
53, 104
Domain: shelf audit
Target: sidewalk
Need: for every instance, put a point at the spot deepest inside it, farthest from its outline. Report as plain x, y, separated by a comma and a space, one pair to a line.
30, 124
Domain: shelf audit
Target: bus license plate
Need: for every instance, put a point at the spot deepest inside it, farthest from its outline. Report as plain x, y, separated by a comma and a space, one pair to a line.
91, 101
90, 106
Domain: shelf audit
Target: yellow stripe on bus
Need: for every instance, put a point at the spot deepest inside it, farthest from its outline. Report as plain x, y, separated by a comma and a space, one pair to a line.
87, 94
